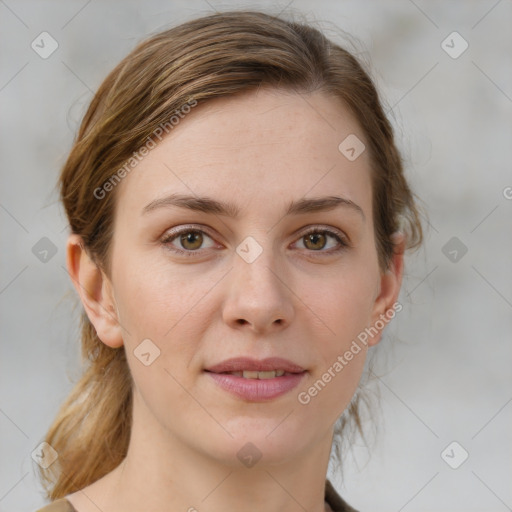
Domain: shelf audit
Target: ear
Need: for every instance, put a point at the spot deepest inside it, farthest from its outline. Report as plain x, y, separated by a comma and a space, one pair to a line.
95, 291
386, 305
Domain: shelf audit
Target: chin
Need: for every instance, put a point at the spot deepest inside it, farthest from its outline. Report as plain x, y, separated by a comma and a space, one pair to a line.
259, 442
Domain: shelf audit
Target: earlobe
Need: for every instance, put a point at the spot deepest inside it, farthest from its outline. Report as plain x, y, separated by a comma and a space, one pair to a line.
95, 291
385, 305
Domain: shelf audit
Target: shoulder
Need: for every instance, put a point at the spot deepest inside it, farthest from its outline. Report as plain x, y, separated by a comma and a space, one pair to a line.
335, 501
60, 505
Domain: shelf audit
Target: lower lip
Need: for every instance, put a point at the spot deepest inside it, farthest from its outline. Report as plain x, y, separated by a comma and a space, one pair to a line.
257, 390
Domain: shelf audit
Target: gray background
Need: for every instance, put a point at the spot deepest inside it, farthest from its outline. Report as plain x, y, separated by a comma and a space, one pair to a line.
444, 365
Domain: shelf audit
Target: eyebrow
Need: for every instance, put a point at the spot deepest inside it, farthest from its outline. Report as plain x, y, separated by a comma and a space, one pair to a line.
229, 209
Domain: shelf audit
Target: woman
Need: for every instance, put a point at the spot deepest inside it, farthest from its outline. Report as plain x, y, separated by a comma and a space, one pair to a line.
239, 217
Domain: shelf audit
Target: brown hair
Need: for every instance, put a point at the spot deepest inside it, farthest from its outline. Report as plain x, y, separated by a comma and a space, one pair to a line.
217, 55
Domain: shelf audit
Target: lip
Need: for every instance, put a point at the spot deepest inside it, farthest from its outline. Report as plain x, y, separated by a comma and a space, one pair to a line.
256, 390
238, 364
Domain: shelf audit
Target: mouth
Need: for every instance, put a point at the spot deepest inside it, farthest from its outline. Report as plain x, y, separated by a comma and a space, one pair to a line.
257, 381
248, 374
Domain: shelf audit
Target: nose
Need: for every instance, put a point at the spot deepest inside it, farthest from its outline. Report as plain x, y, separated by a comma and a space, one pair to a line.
258, 297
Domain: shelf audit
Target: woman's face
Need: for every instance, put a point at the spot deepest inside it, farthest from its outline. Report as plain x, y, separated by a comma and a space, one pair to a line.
235, 275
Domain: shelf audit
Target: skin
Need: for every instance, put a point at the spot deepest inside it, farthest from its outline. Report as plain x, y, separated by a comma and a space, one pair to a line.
259, 150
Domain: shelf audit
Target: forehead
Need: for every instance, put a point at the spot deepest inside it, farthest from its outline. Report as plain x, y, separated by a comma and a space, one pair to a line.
263, 147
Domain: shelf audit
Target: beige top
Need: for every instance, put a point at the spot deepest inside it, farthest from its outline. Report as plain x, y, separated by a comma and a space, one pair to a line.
332, 498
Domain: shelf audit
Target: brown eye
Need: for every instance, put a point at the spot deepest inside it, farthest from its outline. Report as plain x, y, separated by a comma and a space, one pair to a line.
315, 241
191, 240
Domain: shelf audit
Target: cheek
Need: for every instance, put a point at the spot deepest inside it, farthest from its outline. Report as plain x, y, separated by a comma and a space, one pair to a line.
341, 356
343, 303
169, 306
159, 306
342, 310
152, 297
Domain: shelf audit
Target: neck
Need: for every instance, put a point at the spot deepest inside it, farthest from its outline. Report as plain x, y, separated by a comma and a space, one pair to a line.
162, 473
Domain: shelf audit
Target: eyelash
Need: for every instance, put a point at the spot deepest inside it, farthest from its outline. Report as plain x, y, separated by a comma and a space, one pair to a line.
341, 239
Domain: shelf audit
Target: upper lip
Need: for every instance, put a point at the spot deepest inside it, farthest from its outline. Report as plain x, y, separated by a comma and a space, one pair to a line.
239, 364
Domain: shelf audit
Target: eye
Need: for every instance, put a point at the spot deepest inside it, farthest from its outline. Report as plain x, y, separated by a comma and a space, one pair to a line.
316, 239
187, 240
